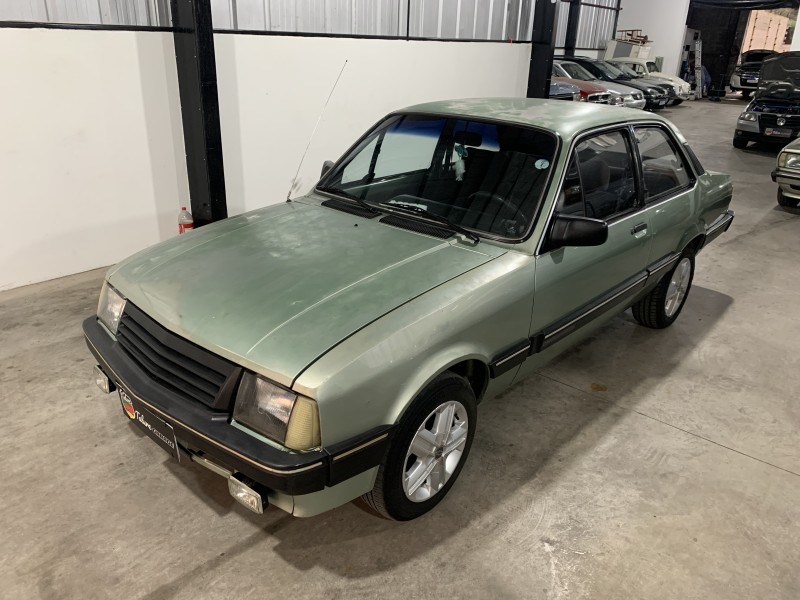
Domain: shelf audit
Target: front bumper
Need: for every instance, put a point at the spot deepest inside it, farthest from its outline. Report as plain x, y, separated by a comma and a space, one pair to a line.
737, 83
789, 181
656, 102
640, 104
202, 431
757, 136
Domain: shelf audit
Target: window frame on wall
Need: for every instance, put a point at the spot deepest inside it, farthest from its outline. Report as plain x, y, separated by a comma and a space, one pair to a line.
589, 24
445, 20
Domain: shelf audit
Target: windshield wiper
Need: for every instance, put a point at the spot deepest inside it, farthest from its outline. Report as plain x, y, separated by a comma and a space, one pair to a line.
360, 201
418, 210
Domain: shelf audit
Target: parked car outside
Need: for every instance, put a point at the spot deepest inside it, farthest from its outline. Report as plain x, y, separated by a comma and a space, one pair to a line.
337, 345
561, 90
648, 68
631, 97
655, 96
787, 175
773, 116
746, 74
590, 92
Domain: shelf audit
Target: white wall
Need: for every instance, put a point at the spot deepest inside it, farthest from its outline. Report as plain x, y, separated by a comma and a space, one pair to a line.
273, 89
91, 149
91, 145
663, 21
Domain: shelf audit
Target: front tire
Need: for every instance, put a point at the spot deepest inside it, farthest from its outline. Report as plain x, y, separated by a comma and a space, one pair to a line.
746, 94
739, 143
428, 451
664, 303
678, 102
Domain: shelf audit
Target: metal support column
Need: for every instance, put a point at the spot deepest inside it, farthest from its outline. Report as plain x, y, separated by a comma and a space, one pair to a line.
197, 84
542, 47
571, 39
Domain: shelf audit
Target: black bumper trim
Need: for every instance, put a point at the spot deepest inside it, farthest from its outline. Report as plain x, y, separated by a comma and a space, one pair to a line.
718, 227
210, 432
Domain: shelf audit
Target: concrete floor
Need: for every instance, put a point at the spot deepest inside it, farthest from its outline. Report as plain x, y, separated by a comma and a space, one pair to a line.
642, 464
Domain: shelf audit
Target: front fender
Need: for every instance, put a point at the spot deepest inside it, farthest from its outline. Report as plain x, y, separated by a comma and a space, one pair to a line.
371, 378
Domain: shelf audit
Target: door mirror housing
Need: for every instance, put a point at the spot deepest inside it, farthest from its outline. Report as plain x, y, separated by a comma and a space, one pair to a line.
570, 230
326, 166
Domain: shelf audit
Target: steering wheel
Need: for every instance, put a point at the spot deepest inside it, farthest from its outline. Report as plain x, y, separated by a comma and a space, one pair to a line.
491, 197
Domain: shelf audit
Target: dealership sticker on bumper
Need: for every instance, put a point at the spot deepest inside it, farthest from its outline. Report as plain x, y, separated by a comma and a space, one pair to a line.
157, 429
776, 132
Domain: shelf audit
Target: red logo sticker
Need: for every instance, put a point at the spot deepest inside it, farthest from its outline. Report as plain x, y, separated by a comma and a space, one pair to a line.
127, 405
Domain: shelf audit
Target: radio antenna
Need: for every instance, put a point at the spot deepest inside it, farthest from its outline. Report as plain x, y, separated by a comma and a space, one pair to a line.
293, 184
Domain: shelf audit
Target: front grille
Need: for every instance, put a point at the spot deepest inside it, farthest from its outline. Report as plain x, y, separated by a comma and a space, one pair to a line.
771, 120
174, 363
562, 97
599, 98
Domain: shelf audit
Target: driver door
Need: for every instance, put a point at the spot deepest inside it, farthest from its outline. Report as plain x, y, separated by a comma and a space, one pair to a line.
576, 286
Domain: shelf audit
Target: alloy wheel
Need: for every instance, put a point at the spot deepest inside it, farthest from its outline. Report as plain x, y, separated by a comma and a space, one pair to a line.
435, 451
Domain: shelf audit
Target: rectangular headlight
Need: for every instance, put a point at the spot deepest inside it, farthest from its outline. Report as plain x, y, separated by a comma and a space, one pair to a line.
789, 160
110, 307
277, 413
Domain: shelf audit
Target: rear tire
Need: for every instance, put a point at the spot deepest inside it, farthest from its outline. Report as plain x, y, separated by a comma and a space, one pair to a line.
739, 143
428, 450
664, 303
787, 202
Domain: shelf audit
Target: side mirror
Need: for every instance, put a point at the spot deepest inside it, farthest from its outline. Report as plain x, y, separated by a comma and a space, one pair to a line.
326, 166
569, 230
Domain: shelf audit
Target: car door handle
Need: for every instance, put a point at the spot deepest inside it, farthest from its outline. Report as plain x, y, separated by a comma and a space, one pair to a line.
640, 228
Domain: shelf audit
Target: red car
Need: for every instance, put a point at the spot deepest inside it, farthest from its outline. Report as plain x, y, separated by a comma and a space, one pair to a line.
591, 92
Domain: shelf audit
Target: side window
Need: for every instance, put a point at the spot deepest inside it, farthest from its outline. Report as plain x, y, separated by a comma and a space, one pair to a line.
663, 167
607, 176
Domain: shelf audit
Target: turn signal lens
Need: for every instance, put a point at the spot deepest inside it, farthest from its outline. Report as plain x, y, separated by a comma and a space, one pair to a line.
303, 430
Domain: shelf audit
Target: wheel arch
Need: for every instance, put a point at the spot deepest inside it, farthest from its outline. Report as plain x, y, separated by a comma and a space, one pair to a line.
695, 244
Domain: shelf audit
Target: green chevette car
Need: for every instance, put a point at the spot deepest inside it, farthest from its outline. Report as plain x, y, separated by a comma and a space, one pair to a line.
338, 345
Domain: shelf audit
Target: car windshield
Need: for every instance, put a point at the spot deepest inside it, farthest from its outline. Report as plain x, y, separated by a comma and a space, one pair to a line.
576, 71
607, 69
626, 70
484, 176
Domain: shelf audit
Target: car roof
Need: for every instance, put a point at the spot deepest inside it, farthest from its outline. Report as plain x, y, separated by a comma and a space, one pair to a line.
565, 118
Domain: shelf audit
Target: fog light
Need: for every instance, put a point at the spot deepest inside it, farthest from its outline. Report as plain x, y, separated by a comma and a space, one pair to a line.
103, 382
245, 495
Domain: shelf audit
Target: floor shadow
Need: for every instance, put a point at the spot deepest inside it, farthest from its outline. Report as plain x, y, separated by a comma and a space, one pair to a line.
532, 432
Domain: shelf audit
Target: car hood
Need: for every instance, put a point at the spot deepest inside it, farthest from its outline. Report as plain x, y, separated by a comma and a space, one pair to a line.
672, 79
276, 288
584, 86
617, 87
640, 85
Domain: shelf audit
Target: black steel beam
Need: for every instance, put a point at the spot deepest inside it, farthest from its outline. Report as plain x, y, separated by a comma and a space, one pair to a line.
197, 85
542, 47
571, 39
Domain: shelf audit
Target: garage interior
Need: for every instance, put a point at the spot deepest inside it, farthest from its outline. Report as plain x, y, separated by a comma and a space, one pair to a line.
639, 464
